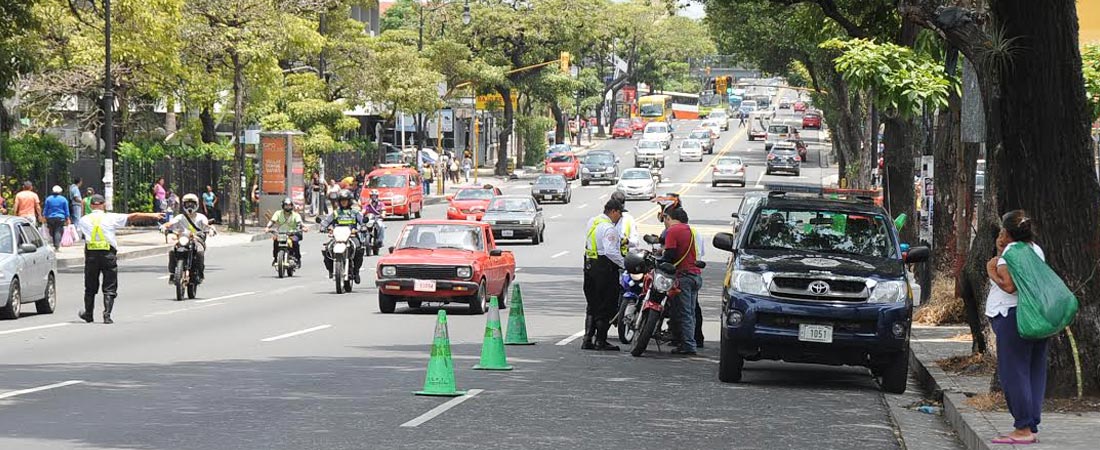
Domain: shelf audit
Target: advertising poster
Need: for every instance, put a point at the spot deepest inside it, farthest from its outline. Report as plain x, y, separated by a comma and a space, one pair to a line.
274, 164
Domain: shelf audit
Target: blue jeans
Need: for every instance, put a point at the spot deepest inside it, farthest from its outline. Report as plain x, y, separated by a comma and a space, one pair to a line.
1022, 365
427, 187
685, 308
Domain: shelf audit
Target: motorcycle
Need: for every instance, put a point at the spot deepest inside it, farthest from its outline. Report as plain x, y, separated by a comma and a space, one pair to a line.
372, 232
655, 173
659, 285
633, 286
185, 281
342, 248
285, 264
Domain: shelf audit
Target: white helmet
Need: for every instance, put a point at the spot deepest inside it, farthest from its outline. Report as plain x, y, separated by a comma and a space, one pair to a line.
190, 203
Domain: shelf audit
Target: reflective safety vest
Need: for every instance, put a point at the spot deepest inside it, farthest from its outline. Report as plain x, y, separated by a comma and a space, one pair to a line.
626, 237
345, 217
96, 240
590, 251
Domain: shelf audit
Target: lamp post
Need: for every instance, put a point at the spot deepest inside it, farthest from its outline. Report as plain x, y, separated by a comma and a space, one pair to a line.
466, 18
108, 112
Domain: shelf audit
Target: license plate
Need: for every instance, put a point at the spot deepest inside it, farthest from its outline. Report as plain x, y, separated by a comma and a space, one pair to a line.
471, 217
424, 285
815, 333
507, 233
547, 197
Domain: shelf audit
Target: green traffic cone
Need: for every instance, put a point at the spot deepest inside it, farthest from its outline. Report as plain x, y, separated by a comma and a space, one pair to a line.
517, 323
492, 350
440, 380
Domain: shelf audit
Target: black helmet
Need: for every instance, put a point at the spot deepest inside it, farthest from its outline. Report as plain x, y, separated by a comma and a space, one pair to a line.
344, 195
635, 262
288, 204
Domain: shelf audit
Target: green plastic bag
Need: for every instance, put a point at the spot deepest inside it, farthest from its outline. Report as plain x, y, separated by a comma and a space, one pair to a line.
1046, 305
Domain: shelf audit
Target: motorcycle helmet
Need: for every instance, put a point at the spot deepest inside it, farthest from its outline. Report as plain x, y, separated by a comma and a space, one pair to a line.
288, 204
190, 203
635, 262
374, 195
345, 195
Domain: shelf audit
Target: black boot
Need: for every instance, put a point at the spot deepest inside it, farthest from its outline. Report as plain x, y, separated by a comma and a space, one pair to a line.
602, 325
89, 306
108, 305
589, 333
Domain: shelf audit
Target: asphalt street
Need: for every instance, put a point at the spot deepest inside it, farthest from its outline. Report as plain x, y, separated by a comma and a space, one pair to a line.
258, 362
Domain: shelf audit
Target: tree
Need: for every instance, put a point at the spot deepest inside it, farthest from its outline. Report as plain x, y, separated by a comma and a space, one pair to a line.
1090, 68
16, 22
401, 14
402, 79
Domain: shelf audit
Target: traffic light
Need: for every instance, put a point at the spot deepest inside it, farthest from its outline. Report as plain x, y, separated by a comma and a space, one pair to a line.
564, 62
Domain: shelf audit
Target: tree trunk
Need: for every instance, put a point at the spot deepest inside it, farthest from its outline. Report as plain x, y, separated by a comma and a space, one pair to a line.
209, 127
559, 119
847, 137
234, 203
599, 116
505, 131
1047, 156
901, 136
948, 205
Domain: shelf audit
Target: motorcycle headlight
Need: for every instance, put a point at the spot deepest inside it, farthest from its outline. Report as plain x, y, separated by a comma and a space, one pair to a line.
748, 283
184, 240
637, 276
464, 272
389, 271
887, 291
662, 282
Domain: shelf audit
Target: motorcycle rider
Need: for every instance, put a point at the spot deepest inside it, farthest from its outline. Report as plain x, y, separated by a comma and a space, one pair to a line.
197, 225
681, 248
345, 215
374, 206
290, 222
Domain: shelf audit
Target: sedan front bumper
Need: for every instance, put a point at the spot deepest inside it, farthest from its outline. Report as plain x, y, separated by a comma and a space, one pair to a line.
516, 231
406, 287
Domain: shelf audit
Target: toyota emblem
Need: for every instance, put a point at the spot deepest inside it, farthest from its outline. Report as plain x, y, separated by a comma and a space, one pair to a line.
819, 287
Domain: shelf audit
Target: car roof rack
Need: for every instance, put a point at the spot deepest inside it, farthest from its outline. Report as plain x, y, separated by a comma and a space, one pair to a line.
782, 190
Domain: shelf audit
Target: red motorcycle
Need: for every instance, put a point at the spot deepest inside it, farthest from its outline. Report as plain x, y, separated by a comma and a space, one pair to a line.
658, 286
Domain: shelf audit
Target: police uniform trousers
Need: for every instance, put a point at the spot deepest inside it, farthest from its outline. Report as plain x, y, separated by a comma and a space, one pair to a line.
100, 263
601, 292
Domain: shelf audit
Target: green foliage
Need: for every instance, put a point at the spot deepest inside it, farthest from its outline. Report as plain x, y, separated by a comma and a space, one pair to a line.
277, 122
898, 78
153, 151
33, 156
16, 22
1090, 68
309, 113
532, 130
401, 14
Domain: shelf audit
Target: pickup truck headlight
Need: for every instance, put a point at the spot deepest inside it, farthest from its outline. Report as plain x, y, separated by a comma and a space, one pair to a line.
389, 271
748, 283
464, 272
888, 292
525, 221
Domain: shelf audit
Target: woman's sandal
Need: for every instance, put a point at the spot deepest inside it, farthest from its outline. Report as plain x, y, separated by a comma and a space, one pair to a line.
1006, 439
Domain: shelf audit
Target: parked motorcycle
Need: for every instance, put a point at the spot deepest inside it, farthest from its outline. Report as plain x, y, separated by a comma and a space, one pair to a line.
659, 283
372, 234
630, 303
342, 248
285, 264
185, 281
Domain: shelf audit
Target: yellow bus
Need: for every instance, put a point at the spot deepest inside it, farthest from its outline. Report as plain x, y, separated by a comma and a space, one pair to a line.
655, 108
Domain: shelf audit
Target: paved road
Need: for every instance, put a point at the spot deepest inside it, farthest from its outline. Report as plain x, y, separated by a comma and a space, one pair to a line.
227, 371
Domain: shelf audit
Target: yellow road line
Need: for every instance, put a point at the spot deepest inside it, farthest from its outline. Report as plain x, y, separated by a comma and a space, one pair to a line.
652, 212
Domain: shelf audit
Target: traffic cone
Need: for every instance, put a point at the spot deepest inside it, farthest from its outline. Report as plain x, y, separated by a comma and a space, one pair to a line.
440, 380
517, 323
492, 350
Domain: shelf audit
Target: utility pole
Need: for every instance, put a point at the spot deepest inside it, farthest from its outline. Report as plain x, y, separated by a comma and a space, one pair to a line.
108, 113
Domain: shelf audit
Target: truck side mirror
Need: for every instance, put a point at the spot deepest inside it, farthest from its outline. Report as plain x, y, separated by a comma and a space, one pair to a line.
917, 255
723, 241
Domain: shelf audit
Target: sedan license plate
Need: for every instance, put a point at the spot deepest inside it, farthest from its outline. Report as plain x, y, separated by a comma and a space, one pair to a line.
424, 285
547, 197
506, 233
815, 333
469, 217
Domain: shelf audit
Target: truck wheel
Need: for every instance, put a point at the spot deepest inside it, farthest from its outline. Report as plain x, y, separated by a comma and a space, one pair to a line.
386, 303
730, 362
895, 376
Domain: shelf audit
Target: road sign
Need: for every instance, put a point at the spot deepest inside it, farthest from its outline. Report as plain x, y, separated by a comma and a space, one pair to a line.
494, 101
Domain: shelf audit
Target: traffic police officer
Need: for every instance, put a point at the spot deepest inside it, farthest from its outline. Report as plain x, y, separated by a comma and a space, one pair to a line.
100, 248
603, 259
627, 226
345, 215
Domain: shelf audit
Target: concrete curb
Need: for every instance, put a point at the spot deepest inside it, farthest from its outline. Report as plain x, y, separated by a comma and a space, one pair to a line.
142, 253
973, 427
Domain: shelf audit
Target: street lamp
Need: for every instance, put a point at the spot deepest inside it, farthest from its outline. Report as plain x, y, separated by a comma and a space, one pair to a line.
466, 17
108, 112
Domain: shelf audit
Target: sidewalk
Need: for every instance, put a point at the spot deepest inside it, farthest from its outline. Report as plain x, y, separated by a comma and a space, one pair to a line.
1062, 431
138, 243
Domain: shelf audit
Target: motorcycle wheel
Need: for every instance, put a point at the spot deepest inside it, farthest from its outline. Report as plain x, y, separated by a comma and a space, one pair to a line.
280, 263
649, 326
627, 310
179, 281
338, 275
192, 291
347, 287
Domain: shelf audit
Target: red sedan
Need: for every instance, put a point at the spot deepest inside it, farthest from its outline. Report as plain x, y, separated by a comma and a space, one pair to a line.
811, 120
564, 163
470, 203
622, 129
800, 106
637, 124
444, 262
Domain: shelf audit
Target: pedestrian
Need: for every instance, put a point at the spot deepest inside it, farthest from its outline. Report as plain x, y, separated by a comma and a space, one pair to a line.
88, 201
27, 203
3, 205
100, 249
317, 194
682, 250
1021, 363
331, 192
452, 168
603, 259
57, 215
428, 175
741, 119
76, 201
210, 205
467, 165
360, 178
160, 196
626, 226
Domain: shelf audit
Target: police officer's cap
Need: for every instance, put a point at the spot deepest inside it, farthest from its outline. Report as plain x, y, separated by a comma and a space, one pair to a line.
98, 200
614, 205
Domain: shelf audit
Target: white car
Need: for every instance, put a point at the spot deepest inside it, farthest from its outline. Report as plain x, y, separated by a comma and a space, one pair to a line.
728, 169
637, 184
647, 151
722, 117
658, 131
28, 269
691, 149
713, 125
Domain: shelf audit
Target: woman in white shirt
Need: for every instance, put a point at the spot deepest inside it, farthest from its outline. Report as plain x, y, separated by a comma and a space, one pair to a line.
1021, 363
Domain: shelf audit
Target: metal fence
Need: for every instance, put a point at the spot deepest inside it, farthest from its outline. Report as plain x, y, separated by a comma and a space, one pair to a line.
134, 180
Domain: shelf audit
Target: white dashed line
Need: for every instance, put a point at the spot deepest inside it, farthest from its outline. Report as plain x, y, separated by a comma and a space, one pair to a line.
561, 253
173, 311
555, 216
441, 409
224, 297
585, 205
296, 333
47, 387
39, 327
572, 338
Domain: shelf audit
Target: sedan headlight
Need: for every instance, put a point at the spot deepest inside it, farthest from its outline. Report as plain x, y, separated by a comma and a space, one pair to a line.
398, 200
525, 221
389, 271
464, 272
584, 169
748, 283
887, 291
662, 282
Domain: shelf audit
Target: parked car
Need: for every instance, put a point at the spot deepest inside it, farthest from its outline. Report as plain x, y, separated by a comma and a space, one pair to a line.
784, 105
777, 132
470, 203
658, 131
600, 165
819, 281
691, 149
516, 217
548, 188
564, 163
399, 189
28, 269
444, 262
728, 169
722, 116
811, 120
705, 137
622, 129
784, 157
646, 151
637, 184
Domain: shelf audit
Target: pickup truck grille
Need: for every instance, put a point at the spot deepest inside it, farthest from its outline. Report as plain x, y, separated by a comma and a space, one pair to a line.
427, 272
792, 323
827, 289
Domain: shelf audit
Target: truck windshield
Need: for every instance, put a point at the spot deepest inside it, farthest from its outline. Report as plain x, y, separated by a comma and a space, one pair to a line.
822, 231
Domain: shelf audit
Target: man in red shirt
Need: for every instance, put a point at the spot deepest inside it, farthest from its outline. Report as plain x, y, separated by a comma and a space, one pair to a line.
680, 249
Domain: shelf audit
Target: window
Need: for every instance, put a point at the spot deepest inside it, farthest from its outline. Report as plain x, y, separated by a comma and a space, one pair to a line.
550, 181
600, 158
474, 194
388, 181
512, 205
561, 158
30, 235
636, 175
433, 236
821, 231
7, 240
779, 129
651, 110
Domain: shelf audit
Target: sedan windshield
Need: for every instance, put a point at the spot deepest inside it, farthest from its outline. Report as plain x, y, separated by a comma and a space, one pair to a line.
690, 143
600, 158
388, 181
435, 236
656, 129
822, 232
512, 205
550, 181
561, 158
699, 135
633, 174
559, 148
622, 123
474, 194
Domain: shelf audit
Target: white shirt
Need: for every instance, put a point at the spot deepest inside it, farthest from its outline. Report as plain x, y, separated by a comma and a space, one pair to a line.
109, 223
998, 302
631, 237
608, 240
179, 224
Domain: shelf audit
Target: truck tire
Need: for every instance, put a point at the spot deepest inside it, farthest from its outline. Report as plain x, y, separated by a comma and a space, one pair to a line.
895, 376
730, 363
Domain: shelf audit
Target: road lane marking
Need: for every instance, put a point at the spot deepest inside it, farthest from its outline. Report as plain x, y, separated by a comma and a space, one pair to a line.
224, 297
759, 180
287, 289
572, 338
518, 269
604, 196
584, 205
702, 173
173, 311
163, 278
441, 409
555, 216
47, 387
561, 253
39, 327
296, 333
